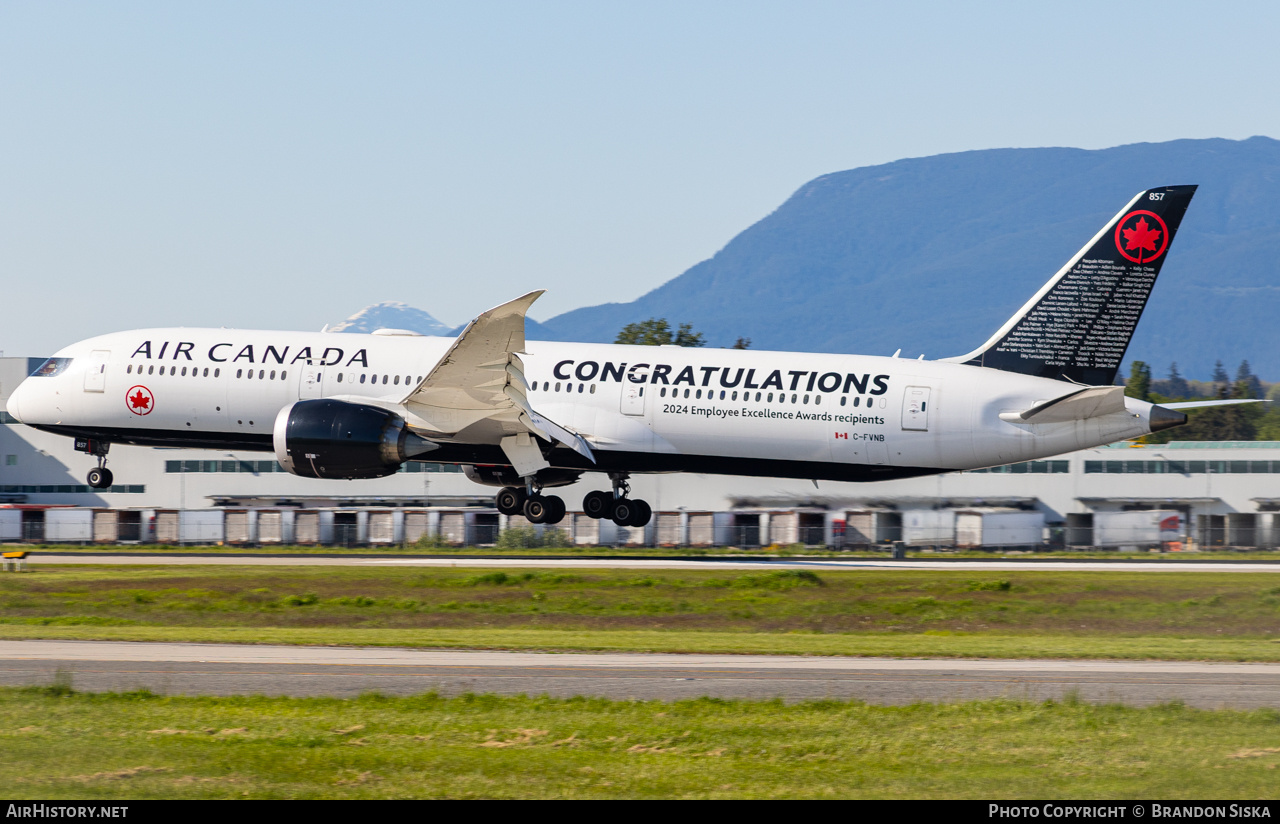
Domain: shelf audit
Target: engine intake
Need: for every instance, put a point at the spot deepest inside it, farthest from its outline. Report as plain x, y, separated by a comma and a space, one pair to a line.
334, 439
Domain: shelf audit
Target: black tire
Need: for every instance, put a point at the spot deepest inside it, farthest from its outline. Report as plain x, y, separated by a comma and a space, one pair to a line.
100, 478
536, 509
624, 509
643, 512
555, 510
598, 504
510, 500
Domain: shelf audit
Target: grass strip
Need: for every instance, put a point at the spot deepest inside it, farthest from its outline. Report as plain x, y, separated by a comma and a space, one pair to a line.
892, 645
61, 744
795, 551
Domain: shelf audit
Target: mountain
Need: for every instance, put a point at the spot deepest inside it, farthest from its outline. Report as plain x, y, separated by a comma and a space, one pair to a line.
391, 315
395, 315
932, 254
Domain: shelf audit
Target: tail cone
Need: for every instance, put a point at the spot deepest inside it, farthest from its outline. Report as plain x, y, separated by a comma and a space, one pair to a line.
1162, 418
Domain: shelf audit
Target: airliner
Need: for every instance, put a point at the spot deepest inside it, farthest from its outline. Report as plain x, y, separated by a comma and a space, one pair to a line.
528, 416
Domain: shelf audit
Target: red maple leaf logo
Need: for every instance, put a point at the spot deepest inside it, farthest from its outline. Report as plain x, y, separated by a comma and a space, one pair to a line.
1140, 237
139, 399
1146, 239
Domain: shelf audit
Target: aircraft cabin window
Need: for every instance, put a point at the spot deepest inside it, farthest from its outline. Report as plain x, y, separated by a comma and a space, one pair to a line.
557, 386
857, 401
273, 374
128, 369
581, 388
397, 382
406, 380
546, 385
384, 380
262, 373
593, 389
817, 399
362, 377
150, 370
686, 393
238, 371
698, 394
206, 372
217, 372
283, 375
757, 397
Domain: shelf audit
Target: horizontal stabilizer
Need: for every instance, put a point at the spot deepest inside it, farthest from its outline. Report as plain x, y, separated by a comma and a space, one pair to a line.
1202, 404
1090, 402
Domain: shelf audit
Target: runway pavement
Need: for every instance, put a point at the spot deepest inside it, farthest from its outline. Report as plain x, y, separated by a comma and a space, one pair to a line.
229, 669
717, 563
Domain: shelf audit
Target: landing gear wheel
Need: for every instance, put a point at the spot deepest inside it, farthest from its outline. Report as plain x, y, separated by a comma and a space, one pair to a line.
100, 477
643, 512
555, 510
624, 511
536, 509
510, 500
598, 504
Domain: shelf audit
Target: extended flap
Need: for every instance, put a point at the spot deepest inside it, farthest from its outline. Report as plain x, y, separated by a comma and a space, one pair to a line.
1090, 402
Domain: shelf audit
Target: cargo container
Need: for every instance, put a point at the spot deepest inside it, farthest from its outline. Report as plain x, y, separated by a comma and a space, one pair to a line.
200, 526
1149, 528
106, 526
10, 524
382, 527
996, 527
68, 526
270, 526
929, 527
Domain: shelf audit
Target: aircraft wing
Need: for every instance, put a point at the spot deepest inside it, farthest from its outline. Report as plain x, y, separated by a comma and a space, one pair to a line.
482, 378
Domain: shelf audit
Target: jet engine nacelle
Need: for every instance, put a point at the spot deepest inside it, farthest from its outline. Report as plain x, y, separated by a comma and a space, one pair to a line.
506, 475
334, 439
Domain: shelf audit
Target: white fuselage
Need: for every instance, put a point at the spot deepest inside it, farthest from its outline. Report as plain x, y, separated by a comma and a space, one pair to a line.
641, 408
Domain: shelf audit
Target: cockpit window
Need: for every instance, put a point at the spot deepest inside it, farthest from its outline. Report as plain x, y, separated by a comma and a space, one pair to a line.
51, 367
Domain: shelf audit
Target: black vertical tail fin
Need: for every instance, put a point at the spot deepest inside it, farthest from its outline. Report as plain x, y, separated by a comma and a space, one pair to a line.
1078, 326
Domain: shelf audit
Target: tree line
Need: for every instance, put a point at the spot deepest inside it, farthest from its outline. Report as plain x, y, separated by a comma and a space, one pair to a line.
1246, 422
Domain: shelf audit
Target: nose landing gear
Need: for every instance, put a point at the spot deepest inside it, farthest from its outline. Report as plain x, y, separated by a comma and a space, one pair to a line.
616, 505
99, 477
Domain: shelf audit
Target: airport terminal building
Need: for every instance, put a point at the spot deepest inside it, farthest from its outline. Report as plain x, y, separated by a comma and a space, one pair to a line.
1182, 495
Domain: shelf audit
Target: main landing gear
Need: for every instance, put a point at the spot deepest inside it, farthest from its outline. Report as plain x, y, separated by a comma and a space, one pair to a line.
99, 477
616, 505
538, 508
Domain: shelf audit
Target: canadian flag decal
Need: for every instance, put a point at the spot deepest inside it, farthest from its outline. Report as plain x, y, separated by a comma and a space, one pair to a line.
844, 435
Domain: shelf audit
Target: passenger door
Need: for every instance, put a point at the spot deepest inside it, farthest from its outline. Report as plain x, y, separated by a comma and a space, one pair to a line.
95, 371
632, 399
915, 408
311, 382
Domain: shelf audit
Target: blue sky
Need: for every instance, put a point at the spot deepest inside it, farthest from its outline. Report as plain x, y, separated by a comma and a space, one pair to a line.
282, 165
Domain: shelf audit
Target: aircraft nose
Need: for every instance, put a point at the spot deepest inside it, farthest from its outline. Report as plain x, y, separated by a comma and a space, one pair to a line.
12, 406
